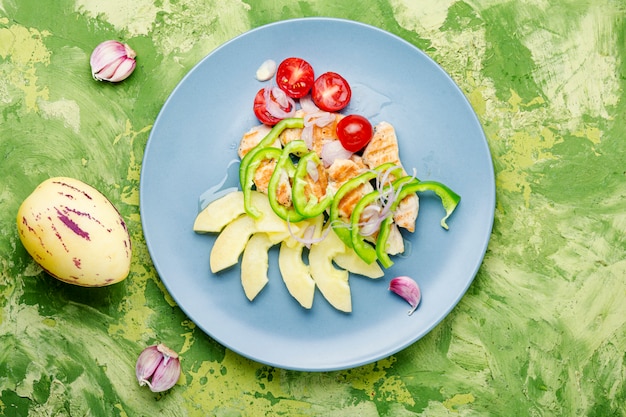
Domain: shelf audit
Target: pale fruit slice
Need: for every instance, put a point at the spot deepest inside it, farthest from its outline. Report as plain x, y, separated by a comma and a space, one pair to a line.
278, 237
254, 264
348, 259
296, 275
276, 228
352, 262
332, 282
231, 242
302, 230
215, 216
269, 222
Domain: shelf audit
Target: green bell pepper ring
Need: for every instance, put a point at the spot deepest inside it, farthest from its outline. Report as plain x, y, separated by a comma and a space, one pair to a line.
365, 251
252, 166
269, 139
307, 206
385, 226
285, 165
341, 228
449, 200
381, 242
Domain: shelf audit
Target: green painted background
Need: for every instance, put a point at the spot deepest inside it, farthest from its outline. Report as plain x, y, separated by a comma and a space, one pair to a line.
542, 330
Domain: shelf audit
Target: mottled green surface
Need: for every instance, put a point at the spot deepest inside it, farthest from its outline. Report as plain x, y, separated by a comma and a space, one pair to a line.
542, 330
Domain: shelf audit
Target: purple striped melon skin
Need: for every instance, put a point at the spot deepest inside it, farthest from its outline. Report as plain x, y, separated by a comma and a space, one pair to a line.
75, 233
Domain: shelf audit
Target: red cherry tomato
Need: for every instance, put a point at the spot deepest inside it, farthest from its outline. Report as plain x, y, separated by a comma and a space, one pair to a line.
260, 109
354, 132
295, 77
331, 92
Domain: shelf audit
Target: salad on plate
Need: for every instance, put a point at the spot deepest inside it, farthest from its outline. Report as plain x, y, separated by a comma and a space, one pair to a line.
328, 188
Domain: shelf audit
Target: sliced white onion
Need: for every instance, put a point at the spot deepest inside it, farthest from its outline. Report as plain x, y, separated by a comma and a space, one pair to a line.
383, 178
387, 199
374, 214
280, 99
319, 118
313, 116
306, 103
370, 227
333, 150
307, 136
371, 211
307, 239
311, 169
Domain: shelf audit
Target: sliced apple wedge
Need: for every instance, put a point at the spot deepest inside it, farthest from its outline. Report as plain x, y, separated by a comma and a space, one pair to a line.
296, 275
214, 217
242, 236
231, 242
254, 264
332, 282
219, 213
352, 262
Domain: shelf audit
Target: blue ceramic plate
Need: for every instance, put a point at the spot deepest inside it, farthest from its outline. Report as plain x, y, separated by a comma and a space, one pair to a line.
195, 137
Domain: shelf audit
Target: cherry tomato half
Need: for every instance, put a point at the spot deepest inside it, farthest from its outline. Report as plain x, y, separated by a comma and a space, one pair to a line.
354, 132
295, 77
331, 92
260, 109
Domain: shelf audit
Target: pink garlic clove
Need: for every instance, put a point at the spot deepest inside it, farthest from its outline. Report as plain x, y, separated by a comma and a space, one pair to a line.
158, 367
408, 289
112, 61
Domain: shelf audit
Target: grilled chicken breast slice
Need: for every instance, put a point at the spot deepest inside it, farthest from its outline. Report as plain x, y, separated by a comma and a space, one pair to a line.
406, 212
262, 177
283, 191
340, 172
263, 174
383, 148
317, 187
395, 241
252, 138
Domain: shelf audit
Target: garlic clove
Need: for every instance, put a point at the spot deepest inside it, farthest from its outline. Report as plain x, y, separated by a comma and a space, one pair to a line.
125, 68
158, 367
112, 61
266, 70
408, 289
147, 363
165, 375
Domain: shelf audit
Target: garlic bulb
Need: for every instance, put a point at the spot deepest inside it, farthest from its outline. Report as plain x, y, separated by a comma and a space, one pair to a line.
408, 289
112, 61
158, 367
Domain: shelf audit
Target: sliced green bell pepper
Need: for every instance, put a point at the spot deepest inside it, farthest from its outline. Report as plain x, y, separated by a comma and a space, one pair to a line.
307, 206
449, 200
268, 140
252, 166
285, 165
365, 251
381, 242
341, 228
385, 227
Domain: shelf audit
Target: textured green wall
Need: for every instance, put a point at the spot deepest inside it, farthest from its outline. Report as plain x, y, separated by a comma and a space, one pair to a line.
542, 330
